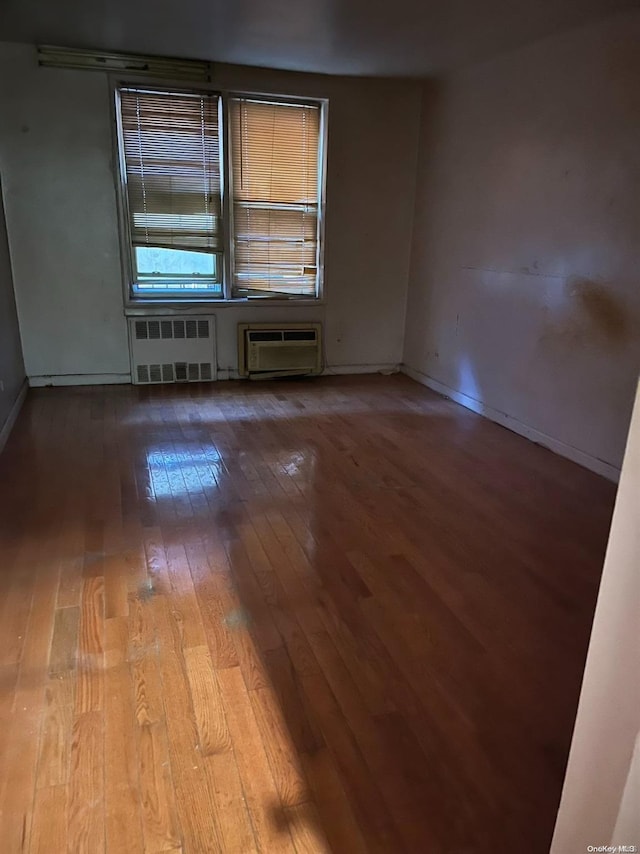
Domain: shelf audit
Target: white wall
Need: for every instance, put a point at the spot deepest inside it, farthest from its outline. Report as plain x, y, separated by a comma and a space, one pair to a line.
601, 796
524, 296
56, 156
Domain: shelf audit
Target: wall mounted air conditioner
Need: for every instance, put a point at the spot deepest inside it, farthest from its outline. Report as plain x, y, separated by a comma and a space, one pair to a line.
267, 350
172, 350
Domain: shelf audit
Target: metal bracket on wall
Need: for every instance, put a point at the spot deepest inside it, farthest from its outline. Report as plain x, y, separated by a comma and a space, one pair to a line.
149, 66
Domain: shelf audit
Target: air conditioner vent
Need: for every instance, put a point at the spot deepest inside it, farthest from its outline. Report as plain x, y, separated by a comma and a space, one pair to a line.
269, 349
166, 350
299, 335
265, 336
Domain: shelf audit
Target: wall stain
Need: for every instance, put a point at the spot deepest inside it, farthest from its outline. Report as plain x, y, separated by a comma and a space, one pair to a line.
606, 313
592, 312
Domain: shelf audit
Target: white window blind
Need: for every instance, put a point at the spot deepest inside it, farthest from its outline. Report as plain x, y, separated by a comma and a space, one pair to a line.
171, 154
275, 197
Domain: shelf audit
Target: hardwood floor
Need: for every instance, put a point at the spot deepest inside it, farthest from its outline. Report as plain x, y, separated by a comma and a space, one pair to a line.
343, 615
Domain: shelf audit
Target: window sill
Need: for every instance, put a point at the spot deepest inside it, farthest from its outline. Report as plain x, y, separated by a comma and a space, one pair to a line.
151, 306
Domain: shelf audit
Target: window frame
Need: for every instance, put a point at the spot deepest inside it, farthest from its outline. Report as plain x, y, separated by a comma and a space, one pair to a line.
136, 304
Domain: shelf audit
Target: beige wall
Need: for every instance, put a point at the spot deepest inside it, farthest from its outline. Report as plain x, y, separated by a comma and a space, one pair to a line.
524, 296
56, 154
601, 797
11, 364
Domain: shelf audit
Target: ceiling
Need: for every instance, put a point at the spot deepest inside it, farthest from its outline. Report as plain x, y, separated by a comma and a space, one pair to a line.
362, 37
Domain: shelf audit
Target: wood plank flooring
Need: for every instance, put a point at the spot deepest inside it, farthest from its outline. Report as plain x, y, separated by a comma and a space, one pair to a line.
338, 615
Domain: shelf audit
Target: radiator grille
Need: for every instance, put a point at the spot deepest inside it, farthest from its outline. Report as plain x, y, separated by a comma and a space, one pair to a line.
179, 372
170, 350
156, 329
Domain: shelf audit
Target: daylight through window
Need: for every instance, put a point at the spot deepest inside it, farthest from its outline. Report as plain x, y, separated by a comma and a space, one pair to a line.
172, 173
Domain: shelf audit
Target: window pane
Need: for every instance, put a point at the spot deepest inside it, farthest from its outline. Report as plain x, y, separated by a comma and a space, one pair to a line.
161, 269
150, 259
275, 159
171, 153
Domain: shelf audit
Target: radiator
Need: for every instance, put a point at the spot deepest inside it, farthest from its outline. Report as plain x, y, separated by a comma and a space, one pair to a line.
172, 350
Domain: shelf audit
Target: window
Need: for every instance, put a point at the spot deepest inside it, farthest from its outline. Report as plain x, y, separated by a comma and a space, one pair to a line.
275, 197
171, 155
173, 171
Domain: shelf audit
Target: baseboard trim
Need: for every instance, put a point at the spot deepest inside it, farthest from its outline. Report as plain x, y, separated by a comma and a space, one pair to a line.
227, 374
7, 427
330, 370
384, 367
574, 454
78, 379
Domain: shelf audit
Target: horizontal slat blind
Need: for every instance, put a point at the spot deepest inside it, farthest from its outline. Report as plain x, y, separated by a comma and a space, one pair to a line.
172, 160
275, 197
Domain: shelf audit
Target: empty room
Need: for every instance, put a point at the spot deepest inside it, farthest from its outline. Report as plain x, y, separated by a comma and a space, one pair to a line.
319, 457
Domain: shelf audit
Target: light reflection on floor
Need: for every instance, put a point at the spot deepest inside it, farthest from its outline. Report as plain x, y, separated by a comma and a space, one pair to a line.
175, 471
